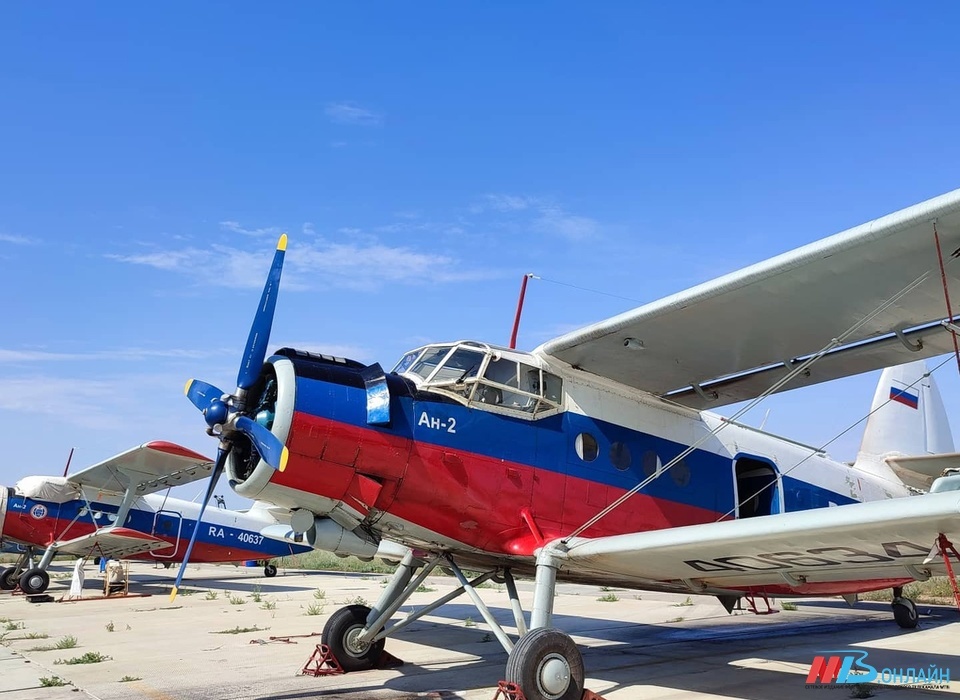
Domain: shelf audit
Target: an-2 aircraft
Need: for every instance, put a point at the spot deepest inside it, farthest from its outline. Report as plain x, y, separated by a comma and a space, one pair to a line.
594, 458
115, 510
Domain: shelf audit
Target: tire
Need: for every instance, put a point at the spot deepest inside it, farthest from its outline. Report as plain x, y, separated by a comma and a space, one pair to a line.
337, 634
270, 570
34, 581
905, 613
546, 665
8, 579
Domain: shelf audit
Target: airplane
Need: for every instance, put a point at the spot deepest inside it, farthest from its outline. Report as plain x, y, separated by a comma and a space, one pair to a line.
598, 458
114, 510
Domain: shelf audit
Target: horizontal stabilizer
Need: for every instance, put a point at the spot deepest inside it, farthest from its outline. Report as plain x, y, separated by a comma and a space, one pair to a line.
919, 472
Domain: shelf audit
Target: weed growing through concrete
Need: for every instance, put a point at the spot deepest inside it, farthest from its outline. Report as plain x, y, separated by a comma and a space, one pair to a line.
236, 600
91, 657
256, 595
52, 681
320, 594
608, 598
787, 605
127, 679
66, 642
684, 604
424, 588
36, 635
268, 605
359, 600
109, 626
211, 595
469, 622
10, 626
314, 609
676, 619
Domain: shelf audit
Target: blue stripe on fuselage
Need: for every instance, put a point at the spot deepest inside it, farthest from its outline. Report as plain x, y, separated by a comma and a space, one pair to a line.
549, 443
143, 521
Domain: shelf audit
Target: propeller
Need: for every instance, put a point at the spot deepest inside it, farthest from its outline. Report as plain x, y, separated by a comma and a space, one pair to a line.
211, 485
224, 413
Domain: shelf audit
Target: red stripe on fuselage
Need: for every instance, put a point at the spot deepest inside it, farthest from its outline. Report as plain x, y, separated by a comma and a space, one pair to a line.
41, 534
474, 499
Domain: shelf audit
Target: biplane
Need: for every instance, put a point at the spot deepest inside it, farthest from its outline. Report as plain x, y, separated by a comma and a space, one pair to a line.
117, 510
598, 457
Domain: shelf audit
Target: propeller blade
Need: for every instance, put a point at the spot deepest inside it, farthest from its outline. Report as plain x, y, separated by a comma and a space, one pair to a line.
271, 450
201, 394
256, 350
214, 477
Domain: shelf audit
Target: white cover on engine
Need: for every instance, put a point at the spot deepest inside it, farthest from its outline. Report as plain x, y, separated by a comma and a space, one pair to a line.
56, 489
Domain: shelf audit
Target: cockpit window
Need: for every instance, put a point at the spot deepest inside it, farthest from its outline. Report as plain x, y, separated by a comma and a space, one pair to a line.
429, 361
478, 374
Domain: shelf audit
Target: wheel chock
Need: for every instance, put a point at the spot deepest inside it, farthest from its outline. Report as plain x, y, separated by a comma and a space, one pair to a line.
322, 663
508, 691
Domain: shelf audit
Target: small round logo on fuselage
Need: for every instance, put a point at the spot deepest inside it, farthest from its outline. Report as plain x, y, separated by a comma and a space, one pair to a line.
39, 511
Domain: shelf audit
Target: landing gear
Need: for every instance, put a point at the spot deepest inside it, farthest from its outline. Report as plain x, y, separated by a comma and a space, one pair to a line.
905, 613
34, 581
341, 633
270, 570
8, 579
546, 665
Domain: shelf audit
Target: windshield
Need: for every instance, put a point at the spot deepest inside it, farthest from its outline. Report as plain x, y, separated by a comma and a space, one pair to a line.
479, 374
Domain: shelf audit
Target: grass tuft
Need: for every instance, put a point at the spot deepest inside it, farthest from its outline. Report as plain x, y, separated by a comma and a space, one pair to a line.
66, 642
52, 681
608, 598
91, 657
242, 630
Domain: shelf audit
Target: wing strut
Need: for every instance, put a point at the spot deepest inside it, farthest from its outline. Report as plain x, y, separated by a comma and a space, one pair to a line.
946, 298
774, 388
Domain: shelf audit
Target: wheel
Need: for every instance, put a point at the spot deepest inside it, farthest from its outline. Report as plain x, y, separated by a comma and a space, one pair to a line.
905, 613
340, 635
8, 579
270, 570
34, 581
546, 665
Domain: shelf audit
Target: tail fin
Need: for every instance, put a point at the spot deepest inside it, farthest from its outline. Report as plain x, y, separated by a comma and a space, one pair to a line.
907, 419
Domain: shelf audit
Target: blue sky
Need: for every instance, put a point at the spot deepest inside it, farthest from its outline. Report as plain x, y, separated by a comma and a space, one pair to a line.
422, 158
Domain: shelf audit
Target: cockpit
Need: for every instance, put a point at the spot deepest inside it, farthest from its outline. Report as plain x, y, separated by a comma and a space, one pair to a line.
485, 376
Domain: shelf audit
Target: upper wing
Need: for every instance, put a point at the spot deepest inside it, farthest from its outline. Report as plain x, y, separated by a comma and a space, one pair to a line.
150, 467
734, 336
112, 543
805, 551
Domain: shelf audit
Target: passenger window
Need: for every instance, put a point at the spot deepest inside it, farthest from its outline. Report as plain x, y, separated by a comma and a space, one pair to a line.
586, 446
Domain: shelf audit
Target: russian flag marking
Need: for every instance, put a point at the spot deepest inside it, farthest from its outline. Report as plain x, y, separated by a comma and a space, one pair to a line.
904, 397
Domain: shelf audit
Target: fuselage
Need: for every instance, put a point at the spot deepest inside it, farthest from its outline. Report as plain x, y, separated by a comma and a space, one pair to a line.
224, 536
450, 471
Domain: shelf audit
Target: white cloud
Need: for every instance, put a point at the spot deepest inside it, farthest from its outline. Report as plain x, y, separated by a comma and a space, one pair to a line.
353, 114
555, 221
16, 240
126, 354
162, 260
235, 227
363, 263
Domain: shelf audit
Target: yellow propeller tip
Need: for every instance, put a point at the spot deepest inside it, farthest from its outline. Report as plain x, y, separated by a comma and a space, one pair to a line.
283, 458
282, 243
186, 387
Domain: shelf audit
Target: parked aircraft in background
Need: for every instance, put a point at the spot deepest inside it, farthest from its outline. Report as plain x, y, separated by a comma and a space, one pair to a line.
114, 510
592, 459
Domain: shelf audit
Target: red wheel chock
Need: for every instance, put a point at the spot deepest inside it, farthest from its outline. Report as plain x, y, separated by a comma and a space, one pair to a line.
508, 691
322, 663
511, 691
